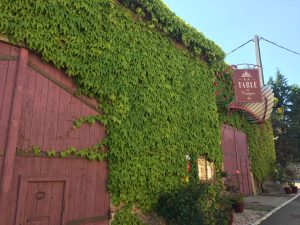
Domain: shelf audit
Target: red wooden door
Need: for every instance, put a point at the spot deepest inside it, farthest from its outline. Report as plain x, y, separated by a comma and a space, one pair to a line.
244, 181
49, 106
236, 160
41, 201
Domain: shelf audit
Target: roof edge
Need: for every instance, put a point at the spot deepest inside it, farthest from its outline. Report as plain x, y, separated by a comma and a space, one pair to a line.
158, 15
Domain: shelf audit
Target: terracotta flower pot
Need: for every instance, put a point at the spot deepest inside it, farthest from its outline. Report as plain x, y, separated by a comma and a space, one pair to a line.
288, 190
230, 219
294, 189
239, 207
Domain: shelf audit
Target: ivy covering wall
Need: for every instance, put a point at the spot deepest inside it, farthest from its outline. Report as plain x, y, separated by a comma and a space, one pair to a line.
157, 94
260, 136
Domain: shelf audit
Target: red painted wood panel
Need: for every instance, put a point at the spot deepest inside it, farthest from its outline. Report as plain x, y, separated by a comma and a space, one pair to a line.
75, 114
54, 110
84, 129
48, 112
23, 121
31, 201
13, 130
86, 195
1, 163
241, 143
52, 114
42, 113
20, 170
71, 172
33, 165
236, 161
56, 207
87, 186
102, 204
67, 81
91, 189
228, 146
64, 122
7, 101
3, 123
27, 116
3, 77
58, 166
80, 189
37, 126
5, 48
44, 203
14, 51
244, 176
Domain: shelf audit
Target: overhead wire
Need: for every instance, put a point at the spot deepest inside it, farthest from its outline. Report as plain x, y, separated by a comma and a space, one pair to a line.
280, 46
271, 42
239, 47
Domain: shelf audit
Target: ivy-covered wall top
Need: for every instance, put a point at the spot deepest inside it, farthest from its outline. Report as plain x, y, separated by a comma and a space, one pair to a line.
152, 74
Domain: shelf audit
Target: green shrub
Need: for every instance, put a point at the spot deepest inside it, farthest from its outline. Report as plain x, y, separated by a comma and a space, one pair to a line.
195, 204
126, 216
236, 198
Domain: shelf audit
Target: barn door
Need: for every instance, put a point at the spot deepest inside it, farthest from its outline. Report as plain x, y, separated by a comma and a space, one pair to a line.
236, 160
244, 184
41, 201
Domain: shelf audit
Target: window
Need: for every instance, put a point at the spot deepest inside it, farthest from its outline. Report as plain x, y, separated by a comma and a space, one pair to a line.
206, 169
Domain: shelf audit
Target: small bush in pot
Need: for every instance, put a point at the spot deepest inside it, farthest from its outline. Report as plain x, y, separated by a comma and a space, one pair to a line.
195, 204
226, 206
230, 218
238, 203
288, 190
293, 187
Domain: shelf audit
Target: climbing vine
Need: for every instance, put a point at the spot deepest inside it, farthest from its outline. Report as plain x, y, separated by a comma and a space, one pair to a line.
260, 136
96, 152
152, 74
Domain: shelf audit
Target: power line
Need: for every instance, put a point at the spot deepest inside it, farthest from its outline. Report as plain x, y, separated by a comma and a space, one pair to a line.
239, 47
280, 46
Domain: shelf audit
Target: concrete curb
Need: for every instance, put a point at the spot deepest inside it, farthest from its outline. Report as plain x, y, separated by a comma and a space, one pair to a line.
275, 210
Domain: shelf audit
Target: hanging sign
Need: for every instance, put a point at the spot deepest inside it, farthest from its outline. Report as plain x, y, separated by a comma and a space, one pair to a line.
247, 85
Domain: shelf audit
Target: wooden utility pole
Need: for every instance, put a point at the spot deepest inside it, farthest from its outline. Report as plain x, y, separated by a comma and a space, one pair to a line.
258, 60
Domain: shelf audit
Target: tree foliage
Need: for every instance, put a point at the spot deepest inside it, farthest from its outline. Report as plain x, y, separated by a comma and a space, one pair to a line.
285, 118
293, 137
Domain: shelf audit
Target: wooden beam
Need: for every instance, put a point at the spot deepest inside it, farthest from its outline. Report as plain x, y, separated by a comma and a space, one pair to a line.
12, 136
13, 130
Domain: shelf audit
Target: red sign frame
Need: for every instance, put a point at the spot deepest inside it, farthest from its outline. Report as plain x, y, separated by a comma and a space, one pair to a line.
247, 85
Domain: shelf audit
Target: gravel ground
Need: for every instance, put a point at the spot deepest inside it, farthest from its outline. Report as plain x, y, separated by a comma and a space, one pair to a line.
248, 217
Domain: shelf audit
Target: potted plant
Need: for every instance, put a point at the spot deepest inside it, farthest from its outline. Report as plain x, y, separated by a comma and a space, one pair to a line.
293, 187
288, 190
230, 218
238, 202
226, 206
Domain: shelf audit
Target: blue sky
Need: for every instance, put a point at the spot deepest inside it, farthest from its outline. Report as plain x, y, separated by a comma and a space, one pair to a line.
233, 22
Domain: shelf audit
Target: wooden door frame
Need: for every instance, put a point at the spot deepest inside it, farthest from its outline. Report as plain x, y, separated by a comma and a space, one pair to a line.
23, 184
238, 158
